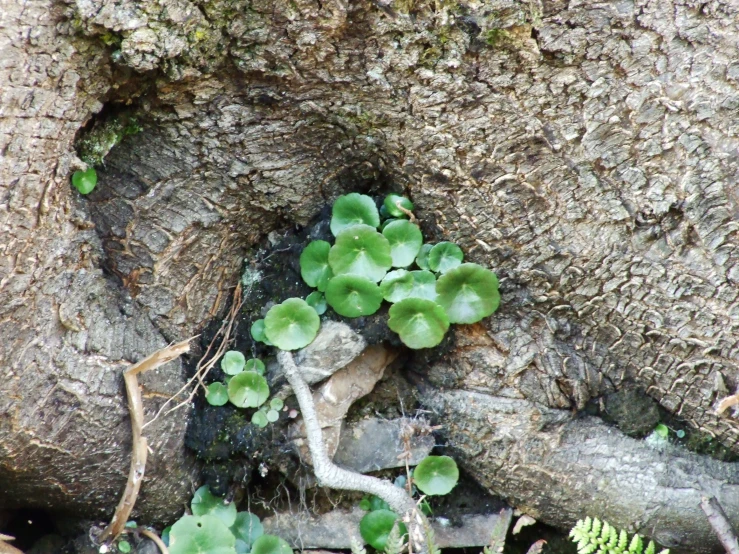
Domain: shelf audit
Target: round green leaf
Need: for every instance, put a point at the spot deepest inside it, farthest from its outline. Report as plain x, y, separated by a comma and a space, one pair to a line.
396, 285
314, 266
420, 323
247, 528
662, 430
269, 544
292, 324
422, 260
217, 394
276, 404
364, 504
468, 293
445, 256
205, 503
233, 362
248, 390
377, 503
386, 223
360, 250
436, 475
259, 418
353, 209
424, 285
201, 535
353, 295
85, 181
256, 365
393, 203
273, 415
124, 546
317, 301
376, 526
257, 332
405, 240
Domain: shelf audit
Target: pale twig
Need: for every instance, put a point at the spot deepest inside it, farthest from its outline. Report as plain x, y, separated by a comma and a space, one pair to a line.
151, 535
720, 523
140, 449
727, 403
202, 369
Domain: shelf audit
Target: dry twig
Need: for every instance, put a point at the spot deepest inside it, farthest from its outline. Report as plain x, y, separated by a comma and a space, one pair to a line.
151, 535
720, 523
140, 449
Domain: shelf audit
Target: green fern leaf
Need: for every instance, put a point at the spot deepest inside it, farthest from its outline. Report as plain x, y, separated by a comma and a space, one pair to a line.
636, 546
595, 530
623, 542
650, 548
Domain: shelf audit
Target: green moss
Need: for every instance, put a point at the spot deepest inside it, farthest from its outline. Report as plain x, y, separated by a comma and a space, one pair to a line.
110, 38
94, 145
494, 37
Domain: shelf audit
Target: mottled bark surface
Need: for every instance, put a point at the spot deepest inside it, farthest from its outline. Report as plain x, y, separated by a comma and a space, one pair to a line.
587, 152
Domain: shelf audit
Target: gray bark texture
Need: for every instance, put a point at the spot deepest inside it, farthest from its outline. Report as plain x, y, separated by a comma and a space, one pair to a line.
585, 151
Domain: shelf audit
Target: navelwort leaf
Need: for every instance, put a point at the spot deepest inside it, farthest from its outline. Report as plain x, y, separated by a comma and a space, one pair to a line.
391, 203
247, 528
468, 293
353, 209
257, 332
317, 301
85, 181
314, 268
422, 260
201, 535
376, 526
420, 323
292, 324
248, 389
353, 295
445, 256
256, 365
436, 475
360, 250
396, 285
405, 240
205, 503
217, 394
233, 362
259, 418
270, 544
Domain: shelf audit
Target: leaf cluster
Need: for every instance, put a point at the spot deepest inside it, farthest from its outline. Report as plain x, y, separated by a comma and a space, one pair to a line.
596, 537
215, 527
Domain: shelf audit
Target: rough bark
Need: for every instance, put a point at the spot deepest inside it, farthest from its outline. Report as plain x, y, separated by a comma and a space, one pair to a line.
586, 152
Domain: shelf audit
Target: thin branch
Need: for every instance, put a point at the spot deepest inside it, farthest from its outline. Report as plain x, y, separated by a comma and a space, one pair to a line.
720, 523
327, 473
151, 535
140, 448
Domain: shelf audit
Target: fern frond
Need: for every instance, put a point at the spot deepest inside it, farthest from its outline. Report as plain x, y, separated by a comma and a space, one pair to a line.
431, 542
357, 547
594, 536
395, 543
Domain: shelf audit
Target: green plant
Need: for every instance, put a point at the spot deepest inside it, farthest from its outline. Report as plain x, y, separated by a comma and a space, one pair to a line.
436, 475
376, 526
215, 527
233, 362
663, 431
248, 390
348, 273
85, 181
595, 537
292, 324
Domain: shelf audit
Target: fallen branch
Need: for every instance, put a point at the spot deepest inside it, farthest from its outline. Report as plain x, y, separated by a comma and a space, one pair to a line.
140, 448
720, 523
327, 473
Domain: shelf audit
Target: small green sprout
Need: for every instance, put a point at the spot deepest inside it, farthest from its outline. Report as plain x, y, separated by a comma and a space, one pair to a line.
259, 418
353, 209
353, 295
85, 181
393, 204
257, 332
436, 475
468, 293
217, 394
376, 526
317, 301
314, 268
420, 323
361, 250
276, 404
445, 256
273, 415
270, 544
124, 546
248, 389
256, 365
292, 324
233, 362
405, 240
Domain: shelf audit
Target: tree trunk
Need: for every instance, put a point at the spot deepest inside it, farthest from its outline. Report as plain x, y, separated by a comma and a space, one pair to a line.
585, 152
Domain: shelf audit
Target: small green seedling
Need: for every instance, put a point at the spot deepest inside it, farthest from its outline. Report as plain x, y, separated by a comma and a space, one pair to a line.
257, 332
85, 181
233, 362
397, 206
217, 394
124, 546
256, 365
259, 418
353, 295
353, 209
292, 324
248, 389
317, 301
436, 475
376, 526
664, 431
